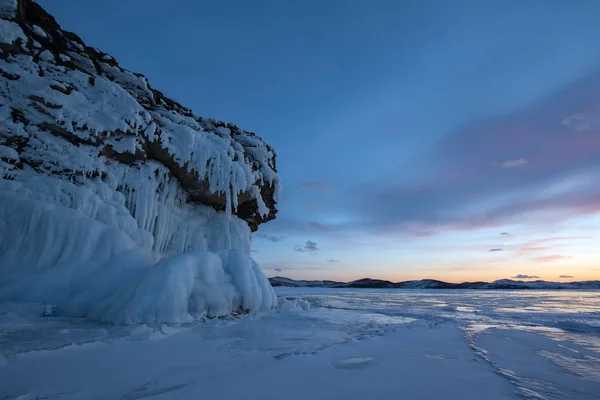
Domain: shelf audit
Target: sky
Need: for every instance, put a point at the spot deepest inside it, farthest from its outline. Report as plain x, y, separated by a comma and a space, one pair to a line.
455, 140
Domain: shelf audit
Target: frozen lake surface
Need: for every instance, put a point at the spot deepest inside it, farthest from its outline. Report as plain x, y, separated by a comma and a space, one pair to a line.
320, 344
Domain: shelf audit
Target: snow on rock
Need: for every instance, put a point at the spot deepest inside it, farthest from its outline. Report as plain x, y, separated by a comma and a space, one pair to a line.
8, 9
117, 203
8, 153
10, 31
73, 98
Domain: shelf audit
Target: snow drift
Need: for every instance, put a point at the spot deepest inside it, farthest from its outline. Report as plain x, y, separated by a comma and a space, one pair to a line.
117, 203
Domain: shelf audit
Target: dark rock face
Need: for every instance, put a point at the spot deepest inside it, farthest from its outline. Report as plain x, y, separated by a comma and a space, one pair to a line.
62, 96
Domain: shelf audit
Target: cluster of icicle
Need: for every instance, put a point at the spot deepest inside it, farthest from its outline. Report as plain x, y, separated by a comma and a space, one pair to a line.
121, 253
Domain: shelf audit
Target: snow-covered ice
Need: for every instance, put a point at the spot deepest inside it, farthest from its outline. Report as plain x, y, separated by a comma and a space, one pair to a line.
321, 344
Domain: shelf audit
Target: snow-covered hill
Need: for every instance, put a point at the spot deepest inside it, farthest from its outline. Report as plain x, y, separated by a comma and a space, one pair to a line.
105, 182
434, 284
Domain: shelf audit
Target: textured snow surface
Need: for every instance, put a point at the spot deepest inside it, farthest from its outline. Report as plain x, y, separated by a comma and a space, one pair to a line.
320, 344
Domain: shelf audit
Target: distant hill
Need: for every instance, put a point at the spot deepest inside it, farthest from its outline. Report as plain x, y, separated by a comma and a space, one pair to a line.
368, 283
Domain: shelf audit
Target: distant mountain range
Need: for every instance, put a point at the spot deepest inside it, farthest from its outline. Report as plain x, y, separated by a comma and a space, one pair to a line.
434, 284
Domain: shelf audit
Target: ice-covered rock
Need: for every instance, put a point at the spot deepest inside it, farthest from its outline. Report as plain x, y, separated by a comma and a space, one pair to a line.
116, 202
8, 9
71, 110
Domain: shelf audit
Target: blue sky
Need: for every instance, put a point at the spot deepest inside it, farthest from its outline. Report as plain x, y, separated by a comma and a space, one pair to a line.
413, 137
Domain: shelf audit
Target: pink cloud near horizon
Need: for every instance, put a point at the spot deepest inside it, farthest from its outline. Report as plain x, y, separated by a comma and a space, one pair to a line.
553, 258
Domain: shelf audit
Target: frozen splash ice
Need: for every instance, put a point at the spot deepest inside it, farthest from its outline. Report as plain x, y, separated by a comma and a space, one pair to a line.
128, 253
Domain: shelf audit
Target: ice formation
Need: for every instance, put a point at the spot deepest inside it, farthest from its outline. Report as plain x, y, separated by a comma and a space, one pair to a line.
117, 203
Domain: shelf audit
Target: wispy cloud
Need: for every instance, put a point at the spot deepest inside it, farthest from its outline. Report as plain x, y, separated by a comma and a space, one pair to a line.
462, 191
523, 276
317, 226
549, 243
320, 186
562, 238
551, 258
331, 260
582, 121
315, 205
495, 250
270, 238
424, 233
529, 248
514, 163
308, 247
566, 276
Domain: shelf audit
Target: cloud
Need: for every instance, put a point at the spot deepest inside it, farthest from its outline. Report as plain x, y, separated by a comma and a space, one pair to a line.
514, 163
311, 246
545, 244
495, 250
331, 260
423, 233
315, 205
459, 189
581, 121
278, 269
551, 258
319, 186
528, 248
308, 247
317, 226
563, 238
270, 238
566, 276
523, 276
505, 234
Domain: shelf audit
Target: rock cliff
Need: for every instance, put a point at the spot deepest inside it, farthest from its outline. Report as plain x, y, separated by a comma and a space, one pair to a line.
61, 98
117, 203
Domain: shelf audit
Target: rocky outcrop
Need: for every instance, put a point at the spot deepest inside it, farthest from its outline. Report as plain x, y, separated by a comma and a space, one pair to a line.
70, 110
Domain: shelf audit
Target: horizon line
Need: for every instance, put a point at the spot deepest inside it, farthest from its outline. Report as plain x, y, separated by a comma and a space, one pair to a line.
524, 280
